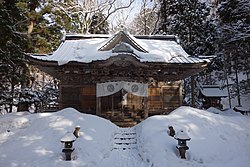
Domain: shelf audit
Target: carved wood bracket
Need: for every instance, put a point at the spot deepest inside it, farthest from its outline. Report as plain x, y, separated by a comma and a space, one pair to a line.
123, 60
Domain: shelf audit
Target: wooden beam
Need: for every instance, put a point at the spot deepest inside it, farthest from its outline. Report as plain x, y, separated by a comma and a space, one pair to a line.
145, 107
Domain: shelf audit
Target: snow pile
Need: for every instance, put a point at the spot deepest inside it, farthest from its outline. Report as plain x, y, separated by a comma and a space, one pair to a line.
216, 140
38, 143
34, 140
229, 112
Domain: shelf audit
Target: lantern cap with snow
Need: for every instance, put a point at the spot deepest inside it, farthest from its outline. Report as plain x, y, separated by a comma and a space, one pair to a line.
182, 137
78, 126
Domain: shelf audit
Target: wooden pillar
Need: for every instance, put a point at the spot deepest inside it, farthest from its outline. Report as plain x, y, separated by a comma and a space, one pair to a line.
185, 88
60, 97
145, 107
98, 105
180, 93
112, 107
193, 91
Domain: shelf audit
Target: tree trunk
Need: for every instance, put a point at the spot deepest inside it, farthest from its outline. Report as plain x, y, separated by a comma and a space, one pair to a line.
12, 98
144, 17
228, 91
237, 82
30, 28
164, 16
247, 69
225, 69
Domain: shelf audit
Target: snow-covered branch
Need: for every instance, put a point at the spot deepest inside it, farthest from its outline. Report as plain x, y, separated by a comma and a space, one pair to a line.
112, 11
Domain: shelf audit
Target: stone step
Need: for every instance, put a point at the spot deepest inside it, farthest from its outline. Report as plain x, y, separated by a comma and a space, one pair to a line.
125, 124
125, 139
125, 148
125, 143
137, 117
119, 113
117, 117
122, 118
110, 113
125, 134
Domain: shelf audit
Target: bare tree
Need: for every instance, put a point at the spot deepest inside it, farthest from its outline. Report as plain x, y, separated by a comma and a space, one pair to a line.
80, 13
147, 19
122, 17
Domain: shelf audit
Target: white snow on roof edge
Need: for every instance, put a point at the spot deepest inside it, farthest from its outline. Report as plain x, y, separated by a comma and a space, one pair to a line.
86, 50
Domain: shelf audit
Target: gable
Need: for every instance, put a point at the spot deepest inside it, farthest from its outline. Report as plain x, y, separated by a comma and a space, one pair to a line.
122, 37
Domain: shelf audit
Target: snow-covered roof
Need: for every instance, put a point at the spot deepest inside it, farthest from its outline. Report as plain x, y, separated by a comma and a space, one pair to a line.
212, 91
89, 48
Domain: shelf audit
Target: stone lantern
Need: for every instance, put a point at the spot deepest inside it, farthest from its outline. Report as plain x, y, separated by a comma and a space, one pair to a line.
182, 138
68, 140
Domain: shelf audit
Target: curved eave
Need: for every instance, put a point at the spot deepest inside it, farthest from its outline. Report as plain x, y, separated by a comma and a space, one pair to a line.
36, 61
51, 63
202, 64
183, 65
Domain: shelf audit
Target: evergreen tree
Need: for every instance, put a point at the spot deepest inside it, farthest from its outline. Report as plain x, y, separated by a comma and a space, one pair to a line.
43, 32
234, 31
188, 19
13, 67
24, 29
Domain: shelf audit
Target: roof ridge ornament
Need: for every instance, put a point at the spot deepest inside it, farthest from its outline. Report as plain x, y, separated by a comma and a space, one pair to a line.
123, 28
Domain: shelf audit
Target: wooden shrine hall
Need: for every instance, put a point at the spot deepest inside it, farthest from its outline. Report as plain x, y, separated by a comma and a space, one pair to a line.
120, 75
211, 95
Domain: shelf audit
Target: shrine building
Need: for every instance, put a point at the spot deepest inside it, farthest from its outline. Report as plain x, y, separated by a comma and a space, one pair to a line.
211, 96
121, 75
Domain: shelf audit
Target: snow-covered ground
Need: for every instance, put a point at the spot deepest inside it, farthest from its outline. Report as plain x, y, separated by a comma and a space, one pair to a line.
218, 139
244, 98
245, 102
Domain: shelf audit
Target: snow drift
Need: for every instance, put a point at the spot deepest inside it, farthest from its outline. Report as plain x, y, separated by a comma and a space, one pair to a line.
33, 140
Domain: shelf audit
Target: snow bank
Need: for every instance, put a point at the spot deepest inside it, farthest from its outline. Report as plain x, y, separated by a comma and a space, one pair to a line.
216, 140
33, 140
38, 142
